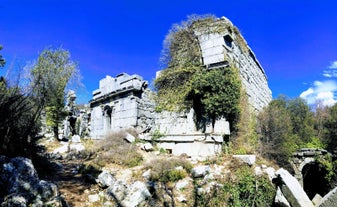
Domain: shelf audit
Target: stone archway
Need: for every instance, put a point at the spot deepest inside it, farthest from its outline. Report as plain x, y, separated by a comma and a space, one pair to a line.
307, 171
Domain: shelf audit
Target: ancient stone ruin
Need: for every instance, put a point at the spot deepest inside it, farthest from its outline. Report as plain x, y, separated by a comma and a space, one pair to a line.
308, 172
120, 102
226, 46
123, 101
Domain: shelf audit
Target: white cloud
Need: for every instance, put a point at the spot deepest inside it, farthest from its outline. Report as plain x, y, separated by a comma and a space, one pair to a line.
333, 65
321, 92
307, 92
331, 72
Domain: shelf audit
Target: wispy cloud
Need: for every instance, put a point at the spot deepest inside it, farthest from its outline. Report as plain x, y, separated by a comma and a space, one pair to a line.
331, 71
323, 92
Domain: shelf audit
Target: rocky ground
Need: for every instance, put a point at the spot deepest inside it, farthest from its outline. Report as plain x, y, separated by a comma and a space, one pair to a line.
90, 173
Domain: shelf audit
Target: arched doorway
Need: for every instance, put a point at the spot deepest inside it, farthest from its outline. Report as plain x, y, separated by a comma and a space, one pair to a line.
314, 180
107, 111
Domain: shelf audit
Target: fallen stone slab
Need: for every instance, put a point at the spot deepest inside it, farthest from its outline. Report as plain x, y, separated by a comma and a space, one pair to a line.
292, 190
128, 137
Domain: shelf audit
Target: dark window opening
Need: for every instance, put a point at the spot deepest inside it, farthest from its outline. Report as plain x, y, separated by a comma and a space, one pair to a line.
228, 41
107, 114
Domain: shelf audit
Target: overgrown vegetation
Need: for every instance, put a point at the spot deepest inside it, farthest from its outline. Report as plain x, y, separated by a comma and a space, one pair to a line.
51, 75
287, 125
22, 101
330, 166
186, 83
244, 139
242, 189
169, 170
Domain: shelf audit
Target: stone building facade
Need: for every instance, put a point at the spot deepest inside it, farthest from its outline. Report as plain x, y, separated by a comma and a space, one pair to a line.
120, 102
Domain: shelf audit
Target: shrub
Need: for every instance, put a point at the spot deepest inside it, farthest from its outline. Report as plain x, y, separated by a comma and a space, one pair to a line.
243, 190
166, 170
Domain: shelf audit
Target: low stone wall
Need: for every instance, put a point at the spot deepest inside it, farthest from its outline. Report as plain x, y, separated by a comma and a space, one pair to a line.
196, 145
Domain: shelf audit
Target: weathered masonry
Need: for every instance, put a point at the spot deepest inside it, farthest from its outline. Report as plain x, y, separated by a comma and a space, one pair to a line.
226, 46
123, 102
119, 103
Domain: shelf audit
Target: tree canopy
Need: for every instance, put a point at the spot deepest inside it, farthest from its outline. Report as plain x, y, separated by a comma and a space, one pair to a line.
51, 74
285, 126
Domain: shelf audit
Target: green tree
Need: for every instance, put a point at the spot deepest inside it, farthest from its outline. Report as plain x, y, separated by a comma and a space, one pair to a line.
51, 74
215, 94
275, 130
302, 119
322, 114
330, 137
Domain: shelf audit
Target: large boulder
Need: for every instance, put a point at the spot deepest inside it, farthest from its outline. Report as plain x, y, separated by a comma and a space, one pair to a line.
130, 195
105, 179
21, 186
137, 193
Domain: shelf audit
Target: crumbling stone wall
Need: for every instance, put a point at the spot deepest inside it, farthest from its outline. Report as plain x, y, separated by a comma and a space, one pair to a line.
225, 46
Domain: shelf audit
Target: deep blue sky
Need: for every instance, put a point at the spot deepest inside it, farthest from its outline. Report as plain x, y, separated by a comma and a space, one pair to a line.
295, 41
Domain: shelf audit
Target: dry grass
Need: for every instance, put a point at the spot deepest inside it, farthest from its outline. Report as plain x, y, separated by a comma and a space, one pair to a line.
114, 149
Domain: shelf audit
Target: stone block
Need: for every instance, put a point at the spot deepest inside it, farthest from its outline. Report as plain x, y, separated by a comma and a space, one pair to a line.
248, 159
105, 179
330, 199
76, 139
76, 147
316, 200
93, 198
129, 138
147, 147
137, 193
200, 171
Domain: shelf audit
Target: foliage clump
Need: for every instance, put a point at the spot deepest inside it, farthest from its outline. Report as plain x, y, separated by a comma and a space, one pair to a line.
169, 170
19, 121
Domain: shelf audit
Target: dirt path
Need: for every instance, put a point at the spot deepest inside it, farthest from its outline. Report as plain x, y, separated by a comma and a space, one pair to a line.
72, 185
